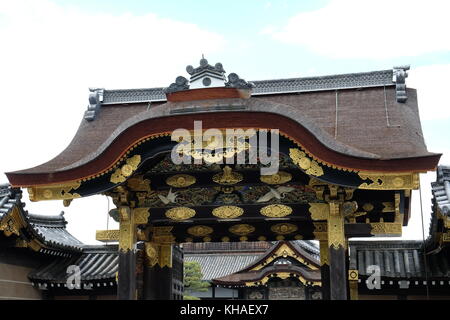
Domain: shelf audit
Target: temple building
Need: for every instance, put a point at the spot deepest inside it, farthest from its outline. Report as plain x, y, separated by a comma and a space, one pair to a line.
302, 165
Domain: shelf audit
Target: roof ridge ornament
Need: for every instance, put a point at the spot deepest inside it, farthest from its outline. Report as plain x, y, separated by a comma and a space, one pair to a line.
207, 76
180, 84
95, 102
399, 78
236, 82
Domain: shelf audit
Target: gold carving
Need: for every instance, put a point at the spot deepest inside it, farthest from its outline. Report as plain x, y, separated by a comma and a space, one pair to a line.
283, 251
127, 229
242, 229
200, 231
386, 228
446, 222
107, 235
278, 178
151, 253
336, 236
243, 238
139, 184
353, 275
349, 193
165, 255
389, 181
143, 235
320, 230
228, 212
446, 236
163, 235
349, 207
227, 177
121, 174
141, 215
124, 213
180, 180
300, 158
388, 207
282, 275
54, 191
180, 213
319, 211
323, 252
12, 223
368, 207
225, 239
284, 228
276, 211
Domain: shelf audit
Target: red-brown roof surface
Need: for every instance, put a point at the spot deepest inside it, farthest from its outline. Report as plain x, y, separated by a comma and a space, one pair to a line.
366, 125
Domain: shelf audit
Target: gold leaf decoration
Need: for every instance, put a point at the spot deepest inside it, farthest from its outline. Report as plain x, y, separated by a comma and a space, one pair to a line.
138, 183
228, 212
389, 181
300, 158
335, 227
107, 235
180, 180
368, 207
319, 211
227, 177
386, 228
12, 223
242, 229
151, 253
200, 231
278, 178
55, 191
276, 211
180, 213
141, 215
121, 174
284, 228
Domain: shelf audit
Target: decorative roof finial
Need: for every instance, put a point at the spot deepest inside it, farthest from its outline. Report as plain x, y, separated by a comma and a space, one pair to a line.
400, 75
207, 76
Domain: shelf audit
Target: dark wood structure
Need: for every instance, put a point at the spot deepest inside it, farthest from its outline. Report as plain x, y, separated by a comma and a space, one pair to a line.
350, 151
37, 252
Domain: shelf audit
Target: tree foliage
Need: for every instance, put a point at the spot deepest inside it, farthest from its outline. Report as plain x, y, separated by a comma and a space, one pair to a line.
193, 279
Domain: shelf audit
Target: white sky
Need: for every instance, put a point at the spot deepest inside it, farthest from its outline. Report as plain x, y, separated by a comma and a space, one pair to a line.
51, 54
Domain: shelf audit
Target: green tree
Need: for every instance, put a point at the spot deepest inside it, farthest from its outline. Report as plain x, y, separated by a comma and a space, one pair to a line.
193, 280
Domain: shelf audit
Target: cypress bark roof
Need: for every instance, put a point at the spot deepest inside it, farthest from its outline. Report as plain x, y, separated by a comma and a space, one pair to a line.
356, 115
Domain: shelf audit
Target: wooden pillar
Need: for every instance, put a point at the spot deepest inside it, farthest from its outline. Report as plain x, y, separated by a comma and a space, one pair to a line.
158, 270
324, 270
126, 286
337, 246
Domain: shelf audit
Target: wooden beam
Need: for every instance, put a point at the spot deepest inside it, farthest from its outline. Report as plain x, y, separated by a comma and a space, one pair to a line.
324, 269
126, 286
337, 253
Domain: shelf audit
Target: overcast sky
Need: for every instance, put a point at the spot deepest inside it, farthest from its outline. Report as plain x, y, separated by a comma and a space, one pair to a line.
52, 51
